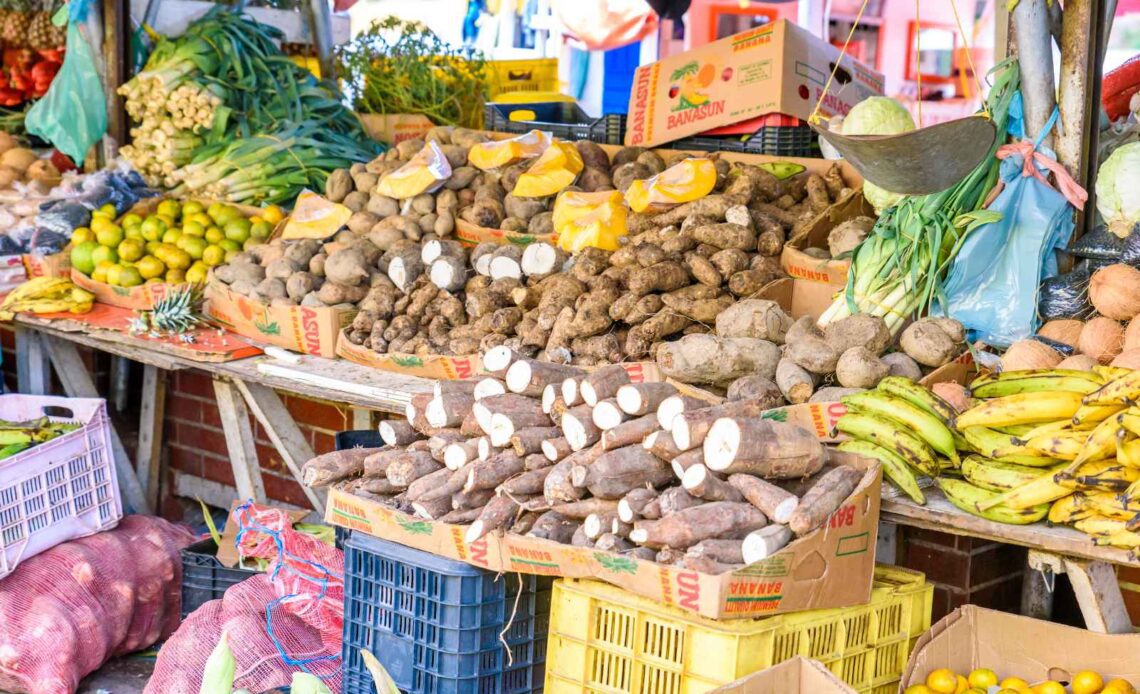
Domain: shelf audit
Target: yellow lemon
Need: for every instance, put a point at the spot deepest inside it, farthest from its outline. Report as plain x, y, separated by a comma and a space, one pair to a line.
175, 276
273, 214
133, 233
917, 689
170, 208
130, 277
108, 210
260, 230
153, 228
191, 207
237, 230
150, 267
1048, 687
113, 274
197, 273
82, 235
104, 253
1013, 683
982, 678
1118, 687
214, 255
131, 219
214, 235
171, 236
1086, 682
194, 246
963, 685
942, 681
131, 250
178, 259
108, 235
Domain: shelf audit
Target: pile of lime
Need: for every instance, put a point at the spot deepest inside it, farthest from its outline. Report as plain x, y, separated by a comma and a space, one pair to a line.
178, 242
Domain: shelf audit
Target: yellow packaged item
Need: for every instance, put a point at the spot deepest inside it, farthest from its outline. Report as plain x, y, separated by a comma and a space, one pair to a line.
557, 168
689, 180
424, 173
493, 155
589, 219
314, 218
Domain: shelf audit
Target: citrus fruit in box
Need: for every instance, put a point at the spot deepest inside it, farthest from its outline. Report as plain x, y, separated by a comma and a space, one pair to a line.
197, 273
213, 255
175, 276
131, 250
82, 234
982, 678
1087, 682
81, 256
101, 253
942, 681
150, 267
107, 234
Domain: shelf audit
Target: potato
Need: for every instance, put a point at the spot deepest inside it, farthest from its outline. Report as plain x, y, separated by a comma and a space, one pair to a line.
361, 222
627, 154
523, 208
511, 174
281, 269
355, 201
461, 178
444, 224
382, 206
860, 367
446, 200
927, 343
900, 364
490, 191
270, 289
593, 180
409, 148
542, 223
513, 224
365, 181
422, 204
299, 284
338, 185
485, 213
593, 156
652, 161
860, 329
626, 174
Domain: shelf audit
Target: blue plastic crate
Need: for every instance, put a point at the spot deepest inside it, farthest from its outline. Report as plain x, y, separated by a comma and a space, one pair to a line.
435, 624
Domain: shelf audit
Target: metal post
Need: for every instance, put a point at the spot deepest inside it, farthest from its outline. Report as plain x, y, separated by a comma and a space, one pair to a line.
321, 26
1035, 53
1079, 98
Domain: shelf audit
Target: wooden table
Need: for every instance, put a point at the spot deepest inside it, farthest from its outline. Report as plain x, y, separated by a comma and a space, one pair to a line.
241, 387
1052, 550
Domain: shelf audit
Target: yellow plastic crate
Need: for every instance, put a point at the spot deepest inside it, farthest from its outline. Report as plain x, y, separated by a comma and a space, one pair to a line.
604, 639
540, 75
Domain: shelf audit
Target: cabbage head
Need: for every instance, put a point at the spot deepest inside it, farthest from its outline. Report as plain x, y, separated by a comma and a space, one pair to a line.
1118, 189
878, 115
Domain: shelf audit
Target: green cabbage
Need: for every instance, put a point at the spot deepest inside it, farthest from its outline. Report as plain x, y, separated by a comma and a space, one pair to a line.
1117, 193
878, 115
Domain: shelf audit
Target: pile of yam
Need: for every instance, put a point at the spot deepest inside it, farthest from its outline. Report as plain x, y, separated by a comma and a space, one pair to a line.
592, 460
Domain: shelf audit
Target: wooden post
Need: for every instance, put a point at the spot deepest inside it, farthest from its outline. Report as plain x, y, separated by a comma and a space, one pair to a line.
239, 441
1098, 594
1079, 91
152, 413
33, 369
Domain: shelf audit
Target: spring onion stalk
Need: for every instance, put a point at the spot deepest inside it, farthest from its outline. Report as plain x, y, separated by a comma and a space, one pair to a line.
897, 271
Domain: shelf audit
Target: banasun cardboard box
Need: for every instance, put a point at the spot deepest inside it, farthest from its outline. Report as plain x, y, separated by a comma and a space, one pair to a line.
1014, 646
798, 675
775, 68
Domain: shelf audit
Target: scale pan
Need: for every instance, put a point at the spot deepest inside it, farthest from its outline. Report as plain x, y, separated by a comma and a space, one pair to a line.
919, 162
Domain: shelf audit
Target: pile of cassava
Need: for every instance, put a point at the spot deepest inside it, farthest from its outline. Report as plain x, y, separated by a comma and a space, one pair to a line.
593, 460
420, 291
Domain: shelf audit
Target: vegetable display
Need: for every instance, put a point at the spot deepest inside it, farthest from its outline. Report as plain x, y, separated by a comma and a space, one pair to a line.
878, 115
223, 113
402, 67
982, 680
895, 273
1115, 189
593, 460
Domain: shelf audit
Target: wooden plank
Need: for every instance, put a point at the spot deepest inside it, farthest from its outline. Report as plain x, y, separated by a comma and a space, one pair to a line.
220, 495
152, 412
283, 434
33, 369
1098, 594
239, 441
120, 382
361, 418
128, 347
77, 383
354, 384
940, 515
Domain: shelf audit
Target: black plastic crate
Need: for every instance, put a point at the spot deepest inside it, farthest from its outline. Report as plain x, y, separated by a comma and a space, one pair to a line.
204, 578
435, 624
773, 140
563, 119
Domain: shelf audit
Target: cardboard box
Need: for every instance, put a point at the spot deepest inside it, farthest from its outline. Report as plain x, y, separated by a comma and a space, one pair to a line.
831, 567
299, 328
1015, 646
54, 265
820, 280
775, 68
798, 675
140, 298
394, 128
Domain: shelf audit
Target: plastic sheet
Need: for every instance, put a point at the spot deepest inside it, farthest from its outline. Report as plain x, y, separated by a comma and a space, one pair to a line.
1099, 244
1065, 296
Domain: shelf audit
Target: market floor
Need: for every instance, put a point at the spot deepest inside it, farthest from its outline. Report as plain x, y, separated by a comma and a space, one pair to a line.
120, 676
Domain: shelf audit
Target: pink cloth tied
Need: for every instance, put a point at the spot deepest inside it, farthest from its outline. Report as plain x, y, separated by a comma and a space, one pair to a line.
1074, 193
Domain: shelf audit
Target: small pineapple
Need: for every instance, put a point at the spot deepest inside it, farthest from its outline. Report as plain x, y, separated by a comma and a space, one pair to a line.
178, 312
40, 31
14, 31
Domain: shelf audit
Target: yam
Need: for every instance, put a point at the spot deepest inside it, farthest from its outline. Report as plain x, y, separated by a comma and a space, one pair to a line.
928, 343
706, 358
859, 367
859, 330
756, 387
689, 526
805, 345
900, 364
754, 318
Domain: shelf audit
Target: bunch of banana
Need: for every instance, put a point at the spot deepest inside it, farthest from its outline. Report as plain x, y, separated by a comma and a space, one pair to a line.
1056, 444
905, 427
46, 295
18, 436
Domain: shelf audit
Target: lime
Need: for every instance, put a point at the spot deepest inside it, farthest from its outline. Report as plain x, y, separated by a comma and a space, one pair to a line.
192, 207
131, 219
177, 259
131, 250
110, 236
133, 232
130, 277
150, 267
99, 274
81, 257
213, 255
171, 236
260, 230
82, 234
175, 276
230, 245
273, 214
214, 235
200, 218
193, 229
194, 246
153, 228
102, 253
197, 273
250, 243
114, 274
108, 210
237, 230
231, 254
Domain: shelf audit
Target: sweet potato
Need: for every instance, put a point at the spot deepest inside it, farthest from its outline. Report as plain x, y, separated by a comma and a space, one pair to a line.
709, 359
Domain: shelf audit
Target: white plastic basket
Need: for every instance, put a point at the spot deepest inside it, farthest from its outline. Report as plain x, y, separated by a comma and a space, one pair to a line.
58, 490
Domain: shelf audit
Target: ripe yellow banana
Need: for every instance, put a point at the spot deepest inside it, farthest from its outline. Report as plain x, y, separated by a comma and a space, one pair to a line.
894, 467
1119, 391
993, 444
1100, 444
1069, 508
1110, 372
1099, 525
1128, 450
884, 433
1111, 505
1122, 540
1112, 477
1014, 382
980, 502
1093, 414
1017, 430
920, 422
1062, 425
994, 476
918, 396
1063, 445
1042, 490
1023, 408
1130, 420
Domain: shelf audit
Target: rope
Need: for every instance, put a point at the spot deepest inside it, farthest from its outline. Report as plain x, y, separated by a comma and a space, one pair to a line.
814, 118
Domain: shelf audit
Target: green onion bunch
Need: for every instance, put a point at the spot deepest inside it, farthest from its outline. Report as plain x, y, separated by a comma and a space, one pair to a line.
897, 271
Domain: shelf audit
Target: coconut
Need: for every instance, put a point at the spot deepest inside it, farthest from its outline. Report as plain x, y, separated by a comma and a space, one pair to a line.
1067, 332
1102, 339
1029, 354
1128, 360
1115, 291
1078, 362
18, 158
953, 393
1132, 335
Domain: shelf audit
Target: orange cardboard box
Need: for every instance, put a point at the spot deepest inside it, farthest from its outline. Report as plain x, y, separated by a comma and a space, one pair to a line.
140, 298
1015, 646
300, 328
394, 128
798, 675
54, 265
830, 567
778, 67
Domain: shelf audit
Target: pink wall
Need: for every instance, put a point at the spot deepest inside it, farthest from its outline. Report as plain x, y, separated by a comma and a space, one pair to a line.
897, 16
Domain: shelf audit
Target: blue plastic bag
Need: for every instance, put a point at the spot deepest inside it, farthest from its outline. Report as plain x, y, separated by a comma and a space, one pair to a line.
72, 116
993, 282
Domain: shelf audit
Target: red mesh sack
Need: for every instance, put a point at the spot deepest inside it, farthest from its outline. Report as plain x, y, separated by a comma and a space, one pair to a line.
287, 620
66, 611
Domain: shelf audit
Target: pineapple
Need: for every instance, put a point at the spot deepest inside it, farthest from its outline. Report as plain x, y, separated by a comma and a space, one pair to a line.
177, 313
4, 12
14, 31
39, 31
